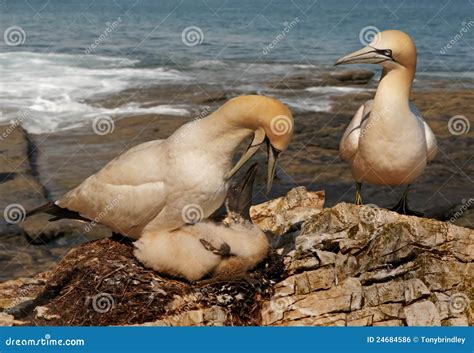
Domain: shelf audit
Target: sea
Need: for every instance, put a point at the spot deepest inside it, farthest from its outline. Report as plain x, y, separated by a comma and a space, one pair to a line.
58, 55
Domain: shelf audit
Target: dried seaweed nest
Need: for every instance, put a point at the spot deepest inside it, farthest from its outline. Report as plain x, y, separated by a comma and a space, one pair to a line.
101, 283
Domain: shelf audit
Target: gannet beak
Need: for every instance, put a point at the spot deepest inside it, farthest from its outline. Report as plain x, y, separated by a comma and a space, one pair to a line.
273, 154
367, 55
258, 140
239, 196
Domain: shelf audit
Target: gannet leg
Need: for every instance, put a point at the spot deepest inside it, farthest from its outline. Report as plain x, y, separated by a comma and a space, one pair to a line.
223, 250
402, 206
358, 196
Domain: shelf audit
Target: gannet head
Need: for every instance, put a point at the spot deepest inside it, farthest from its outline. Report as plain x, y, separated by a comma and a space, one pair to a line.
272, 124
391, 49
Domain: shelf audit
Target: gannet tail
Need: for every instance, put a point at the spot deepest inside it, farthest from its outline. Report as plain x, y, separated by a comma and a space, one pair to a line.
57, 212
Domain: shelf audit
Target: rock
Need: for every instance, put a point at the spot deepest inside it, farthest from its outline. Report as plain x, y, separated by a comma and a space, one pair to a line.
347, 266
422, 313
277, 216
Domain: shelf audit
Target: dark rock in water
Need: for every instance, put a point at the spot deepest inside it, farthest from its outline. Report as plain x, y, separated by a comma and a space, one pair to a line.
300, 81
358, 77
346, 265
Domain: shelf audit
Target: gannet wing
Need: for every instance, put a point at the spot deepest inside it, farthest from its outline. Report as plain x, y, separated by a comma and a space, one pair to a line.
350, 140
431, 143
127, 193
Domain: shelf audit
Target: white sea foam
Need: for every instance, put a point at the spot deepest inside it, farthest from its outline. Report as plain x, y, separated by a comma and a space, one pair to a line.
337, 89
53, 88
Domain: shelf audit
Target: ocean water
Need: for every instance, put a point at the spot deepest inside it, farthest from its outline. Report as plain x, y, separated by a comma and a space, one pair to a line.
57, 55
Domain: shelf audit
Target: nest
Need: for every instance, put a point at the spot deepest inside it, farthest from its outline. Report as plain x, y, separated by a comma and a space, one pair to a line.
101, 283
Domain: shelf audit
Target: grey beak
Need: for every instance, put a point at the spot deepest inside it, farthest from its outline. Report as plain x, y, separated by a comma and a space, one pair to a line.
366, 55
258, 139
273, 154
239, 196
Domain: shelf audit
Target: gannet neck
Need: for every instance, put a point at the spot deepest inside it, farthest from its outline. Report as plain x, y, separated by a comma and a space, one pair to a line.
393, 92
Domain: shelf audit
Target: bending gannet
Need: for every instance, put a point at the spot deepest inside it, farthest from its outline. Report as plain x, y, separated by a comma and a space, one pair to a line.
388, 142
208, 248
152, 186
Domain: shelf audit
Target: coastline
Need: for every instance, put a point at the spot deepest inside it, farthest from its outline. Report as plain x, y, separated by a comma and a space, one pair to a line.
41, 167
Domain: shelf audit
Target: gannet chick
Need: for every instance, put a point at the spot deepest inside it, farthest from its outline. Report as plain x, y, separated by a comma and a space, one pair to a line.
388, 142
150, 187
208, 248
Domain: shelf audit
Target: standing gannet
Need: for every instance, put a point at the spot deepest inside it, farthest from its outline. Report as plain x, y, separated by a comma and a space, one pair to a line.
208, 248
388, 142
161, 185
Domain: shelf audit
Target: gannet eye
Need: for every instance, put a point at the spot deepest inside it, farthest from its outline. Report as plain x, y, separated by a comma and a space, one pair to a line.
387, 52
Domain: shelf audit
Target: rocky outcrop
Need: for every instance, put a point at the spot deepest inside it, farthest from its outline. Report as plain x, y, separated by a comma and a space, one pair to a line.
345, 265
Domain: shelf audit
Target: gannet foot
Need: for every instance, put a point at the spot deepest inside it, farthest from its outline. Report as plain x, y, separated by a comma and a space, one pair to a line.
358, 196
224, 249
402, 208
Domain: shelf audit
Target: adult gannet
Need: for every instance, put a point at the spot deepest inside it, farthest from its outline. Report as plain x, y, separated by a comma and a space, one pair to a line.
388, 142
163, 184
208, 248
